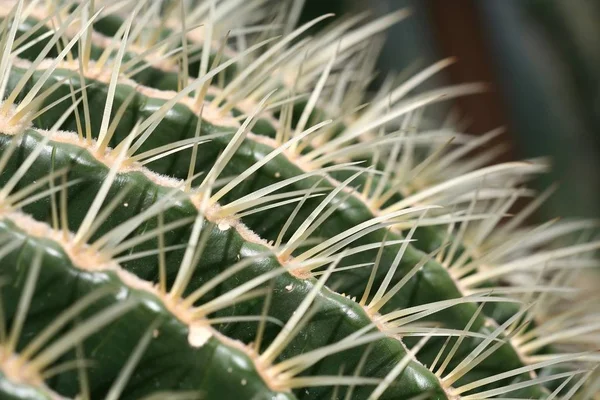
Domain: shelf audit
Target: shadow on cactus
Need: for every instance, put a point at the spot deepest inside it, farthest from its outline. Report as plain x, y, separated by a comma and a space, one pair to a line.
197, 202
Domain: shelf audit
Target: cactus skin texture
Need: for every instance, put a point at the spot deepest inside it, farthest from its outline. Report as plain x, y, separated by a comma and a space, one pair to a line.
211, 212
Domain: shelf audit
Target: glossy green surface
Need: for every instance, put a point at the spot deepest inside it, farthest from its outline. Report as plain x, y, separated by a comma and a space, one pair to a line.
169, 362
430, 284
336, 316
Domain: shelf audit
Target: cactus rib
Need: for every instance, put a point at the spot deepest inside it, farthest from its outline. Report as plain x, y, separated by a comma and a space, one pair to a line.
175, 186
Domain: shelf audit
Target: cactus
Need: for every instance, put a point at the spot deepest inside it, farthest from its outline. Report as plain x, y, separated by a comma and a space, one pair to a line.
188, 212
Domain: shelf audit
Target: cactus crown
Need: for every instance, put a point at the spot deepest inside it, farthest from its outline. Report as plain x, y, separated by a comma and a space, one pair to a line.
198, 201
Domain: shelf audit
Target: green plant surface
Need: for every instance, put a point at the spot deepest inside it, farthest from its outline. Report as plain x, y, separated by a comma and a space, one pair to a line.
343, 316
315, 288
418, 290
165, 372
355, 213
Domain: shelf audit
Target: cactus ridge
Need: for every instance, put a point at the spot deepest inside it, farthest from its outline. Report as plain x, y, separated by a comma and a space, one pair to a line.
179, 220
184, 218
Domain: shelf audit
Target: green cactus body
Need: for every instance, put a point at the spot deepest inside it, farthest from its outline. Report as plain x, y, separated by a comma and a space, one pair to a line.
419, 290
202, 230
227, 246
188, 372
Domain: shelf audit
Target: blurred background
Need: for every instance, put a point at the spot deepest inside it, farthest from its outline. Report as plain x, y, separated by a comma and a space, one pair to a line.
543, 68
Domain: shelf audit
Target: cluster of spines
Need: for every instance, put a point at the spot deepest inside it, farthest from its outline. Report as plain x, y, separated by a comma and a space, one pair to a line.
496, 202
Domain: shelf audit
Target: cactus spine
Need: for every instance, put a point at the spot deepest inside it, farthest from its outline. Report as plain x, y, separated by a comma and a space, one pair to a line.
209, 212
